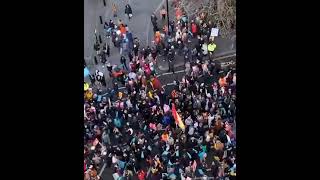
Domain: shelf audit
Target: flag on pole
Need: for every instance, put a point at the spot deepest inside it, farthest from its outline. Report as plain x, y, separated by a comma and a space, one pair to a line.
177, 118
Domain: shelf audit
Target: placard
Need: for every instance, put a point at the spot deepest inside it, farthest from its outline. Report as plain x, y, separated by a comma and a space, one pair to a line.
214, 32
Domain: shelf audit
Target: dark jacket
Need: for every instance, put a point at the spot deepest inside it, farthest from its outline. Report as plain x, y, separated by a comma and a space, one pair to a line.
128, 9
154, 19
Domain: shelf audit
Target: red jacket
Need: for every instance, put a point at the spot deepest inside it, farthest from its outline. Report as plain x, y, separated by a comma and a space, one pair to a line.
193, 28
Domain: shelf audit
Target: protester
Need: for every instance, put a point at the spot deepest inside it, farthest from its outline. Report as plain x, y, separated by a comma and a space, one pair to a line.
154, 19
168, 135
123, 62
114, 10
145, 131
128, 11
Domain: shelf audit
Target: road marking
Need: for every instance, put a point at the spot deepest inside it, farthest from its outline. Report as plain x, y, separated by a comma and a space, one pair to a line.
168, 73
148, 30
169, 84
222, 57
103, 167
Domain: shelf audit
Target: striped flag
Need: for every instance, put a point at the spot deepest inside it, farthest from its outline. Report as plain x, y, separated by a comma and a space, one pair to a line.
177, 118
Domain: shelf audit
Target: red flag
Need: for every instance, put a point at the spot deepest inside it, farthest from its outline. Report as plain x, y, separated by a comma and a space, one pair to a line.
177, 118
156, 83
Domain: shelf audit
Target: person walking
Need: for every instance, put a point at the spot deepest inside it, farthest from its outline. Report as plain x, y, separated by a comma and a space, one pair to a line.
109, 67
114, 10
128, 11
108, 50
100, 77
194, 29
123, 62
154, 19
171, 55
130, 56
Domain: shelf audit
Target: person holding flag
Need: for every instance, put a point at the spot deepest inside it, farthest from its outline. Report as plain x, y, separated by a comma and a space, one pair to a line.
177, 117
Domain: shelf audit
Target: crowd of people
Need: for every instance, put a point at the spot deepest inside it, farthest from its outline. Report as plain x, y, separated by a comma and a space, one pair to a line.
148, 132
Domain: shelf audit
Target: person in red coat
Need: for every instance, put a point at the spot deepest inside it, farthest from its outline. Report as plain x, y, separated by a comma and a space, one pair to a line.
194, 29
141, 175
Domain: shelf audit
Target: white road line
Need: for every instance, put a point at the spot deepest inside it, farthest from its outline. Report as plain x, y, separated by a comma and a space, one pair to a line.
103, 167
169, 84
157, 9
148, 30
168, 73
222, 57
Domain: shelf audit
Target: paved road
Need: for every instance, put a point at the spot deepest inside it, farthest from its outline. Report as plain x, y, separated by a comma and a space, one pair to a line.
140, 25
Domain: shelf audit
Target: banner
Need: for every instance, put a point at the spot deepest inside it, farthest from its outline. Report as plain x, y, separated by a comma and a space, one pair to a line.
214, 32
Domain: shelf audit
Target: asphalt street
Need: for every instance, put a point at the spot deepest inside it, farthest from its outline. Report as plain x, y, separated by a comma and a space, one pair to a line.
140, 26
